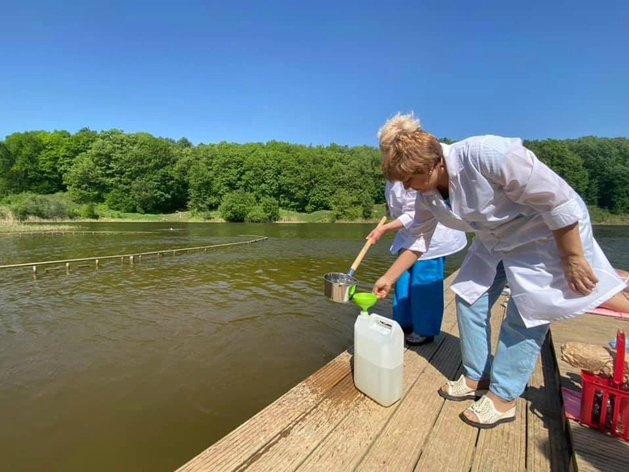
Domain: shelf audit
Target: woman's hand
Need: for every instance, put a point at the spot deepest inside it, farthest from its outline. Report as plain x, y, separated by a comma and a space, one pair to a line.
382, 287
579, 274
404, 261
576, 268
376, 234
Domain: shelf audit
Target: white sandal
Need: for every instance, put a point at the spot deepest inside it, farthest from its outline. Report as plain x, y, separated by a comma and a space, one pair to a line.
458, 391
487, 415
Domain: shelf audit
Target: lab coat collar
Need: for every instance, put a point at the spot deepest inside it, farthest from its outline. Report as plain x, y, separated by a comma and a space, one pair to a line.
453, 166
452, 163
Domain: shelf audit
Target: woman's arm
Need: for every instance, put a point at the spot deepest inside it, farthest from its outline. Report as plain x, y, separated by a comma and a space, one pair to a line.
405, 260
528, 181
421, 224
576, 268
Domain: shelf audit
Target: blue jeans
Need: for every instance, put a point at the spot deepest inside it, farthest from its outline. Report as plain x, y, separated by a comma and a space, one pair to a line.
518, 346
418, 297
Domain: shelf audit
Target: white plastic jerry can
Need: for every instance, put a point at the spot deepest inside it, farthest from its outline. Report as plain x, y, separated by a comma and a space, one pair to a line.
378, 358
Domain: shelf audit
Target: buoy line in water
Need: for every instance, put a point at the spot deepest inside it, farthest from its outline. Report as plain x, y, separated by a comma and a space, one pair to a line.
62, 232
131, 258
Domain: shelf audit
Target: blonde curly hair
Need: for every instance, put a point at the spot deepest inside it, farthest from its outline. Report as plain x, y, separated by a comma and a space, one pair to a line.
406, 148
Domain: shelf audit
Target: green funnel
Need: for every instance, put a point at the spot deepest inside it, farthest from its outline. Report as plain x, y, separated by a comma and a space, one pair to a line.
365, 300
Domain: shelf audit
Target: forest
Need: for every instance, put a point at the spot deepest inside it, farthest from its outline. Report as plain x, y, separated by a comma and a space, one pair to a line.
57, 174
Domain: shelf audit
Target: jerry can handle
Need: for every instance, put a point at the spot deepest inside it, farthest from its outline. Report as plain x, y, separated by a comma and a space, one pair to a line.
385, 324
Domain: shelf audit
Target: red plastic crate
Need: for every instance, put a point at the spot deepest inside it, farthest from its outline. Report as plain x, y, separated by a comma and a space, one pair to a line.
604, 406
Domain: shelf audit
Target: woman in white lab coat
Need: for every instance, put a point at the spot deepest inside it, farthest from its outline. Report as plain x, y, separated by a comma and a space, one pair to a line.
532, 231
418, 295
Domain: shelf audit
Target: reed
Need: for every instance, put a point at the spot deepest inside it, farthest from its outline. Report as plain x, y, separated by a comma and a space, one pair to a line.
7, 216
10, 224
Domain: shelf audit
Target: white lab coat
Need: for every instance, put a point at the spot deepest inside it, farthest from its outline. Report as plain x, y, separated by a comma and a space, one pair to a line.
512, 201
401, 203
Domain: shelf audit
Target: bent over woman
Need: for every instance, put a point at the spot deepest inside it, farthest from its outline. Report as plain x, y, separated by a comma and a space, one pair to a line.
532, 231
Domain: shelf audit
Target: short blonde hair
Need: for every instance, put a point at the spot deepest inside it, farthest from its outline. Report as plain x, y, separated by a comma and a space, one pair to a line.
406, 148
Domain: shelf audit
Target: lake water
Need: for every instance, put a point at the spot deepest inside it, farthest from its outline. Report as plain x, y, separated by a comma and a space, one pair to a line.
141, 367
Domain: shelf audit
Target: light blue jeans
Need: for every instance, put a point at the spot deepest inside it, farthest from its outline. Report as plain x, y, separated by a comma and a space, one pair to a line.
518, 346
418, 297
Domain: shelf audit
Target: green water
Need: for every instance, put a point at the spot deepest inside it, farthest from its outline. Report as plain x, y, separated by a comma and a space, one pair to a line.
141, 367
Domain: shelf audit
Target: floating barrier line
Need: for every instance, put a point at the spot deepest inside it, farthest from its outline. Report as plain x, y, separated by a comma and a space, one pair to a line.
60, 231
130, 256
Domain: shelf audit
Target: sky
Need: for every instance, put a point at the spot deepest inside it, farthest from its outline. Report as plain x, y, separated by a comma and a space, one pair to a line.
315, 72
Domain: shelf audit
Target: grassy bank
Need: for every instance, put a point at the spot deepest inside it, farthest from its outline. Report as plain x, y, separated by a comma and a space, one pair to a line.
9, 223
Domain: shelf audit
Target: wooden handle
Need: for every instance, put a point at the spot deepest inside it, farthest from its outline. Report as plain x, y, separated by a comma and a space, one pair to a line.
364, 250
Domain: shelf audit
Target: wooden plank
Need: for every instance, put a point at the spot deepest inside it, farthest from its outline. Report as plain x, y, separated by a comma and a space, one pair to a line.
402, 441
245, 441
548, 446
503, 447
538, 450
289, 448
451, 443
596, 451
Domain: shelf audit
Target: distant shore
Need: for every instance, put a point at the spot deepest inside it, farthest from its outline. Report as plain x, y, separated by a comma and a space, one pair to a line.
41, 225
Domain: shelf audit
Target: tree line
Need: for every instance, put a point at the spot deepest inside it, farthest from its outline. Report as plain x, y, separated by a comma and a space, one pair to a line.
141, 173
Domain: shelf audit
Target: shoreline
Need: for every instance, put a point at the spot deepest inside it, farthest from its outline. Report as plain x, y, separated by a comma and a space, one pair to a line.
34, 226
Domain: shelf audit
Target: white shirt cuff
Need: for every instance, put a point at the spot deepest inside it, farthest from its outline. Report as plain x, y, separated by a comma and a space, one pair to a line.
563, 215
406, 219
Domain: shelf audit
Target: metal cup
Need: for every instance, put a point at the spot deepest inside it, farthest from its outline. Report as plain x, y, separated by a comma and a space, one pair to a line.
339, 287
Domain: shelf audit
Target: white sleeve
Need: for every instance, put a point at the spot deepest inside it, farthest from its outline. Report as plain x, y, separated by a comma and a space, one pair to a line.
408, 211
401, 202
423, 227
528, 181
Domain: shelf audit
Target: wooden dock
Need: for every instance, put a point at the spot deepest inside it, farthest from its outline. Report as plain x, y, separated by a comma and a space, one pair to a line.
325, 424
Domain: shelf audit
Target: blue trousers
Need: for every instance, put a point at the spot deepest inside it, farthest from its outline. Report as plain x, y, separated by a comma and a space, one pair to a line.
518, 346
418, 297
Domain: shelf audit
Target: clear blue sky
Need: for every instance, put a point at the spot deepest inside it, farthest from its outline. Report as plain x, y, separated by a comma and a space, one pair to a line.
315, 72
